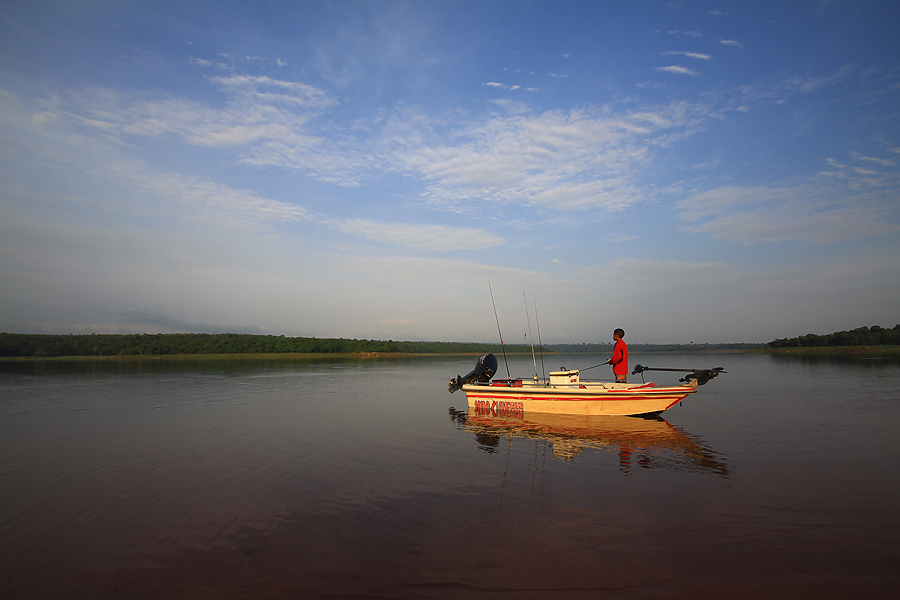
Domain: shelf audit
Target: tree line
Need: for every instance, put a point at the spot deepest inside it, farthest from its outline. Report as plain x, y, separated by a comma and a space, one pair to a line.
167, 344
861, 336
607, 348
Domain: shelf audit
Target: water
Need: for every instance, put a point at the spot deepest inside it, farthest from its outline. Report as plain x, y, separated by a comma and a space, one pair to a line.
365, 478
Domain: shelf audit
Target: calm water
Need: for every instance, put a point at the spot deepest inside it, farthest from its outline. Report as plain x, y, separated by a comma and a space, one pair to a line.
341, 478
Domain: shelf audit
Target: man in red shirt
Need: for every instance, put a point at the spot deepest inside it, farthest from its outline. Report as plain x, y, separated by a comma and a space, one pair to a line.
619, 359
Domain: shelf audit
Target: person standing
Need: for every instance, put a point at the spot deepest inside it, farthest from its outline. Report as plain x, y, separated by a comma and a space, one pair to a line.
619, 360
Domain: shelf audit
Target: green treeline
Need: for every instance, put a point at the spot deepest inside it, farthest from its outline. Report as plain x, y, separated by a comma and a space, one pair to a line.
650, 348
15, 345
861, 336
167, 344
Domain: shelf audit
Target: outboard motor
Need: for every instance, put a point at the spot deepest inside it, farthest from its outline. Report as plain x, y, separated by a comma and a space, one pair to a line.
484, 369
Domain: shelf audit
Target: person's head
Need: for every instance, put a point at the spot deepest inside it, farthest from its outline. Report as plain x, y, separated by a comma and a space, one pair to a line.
618, 334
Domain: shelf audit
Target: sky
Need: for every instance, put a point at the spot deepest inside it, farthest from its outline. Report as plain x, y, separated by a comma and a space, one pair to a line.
702, 172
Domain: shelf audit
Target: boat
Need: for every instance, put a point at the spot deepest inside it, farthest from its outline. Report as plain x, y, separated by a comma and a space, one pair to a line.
565, 392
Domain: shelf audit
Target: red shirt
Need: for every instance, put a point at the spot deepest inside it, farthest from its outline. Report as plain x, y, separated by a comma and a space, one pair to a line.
620, 358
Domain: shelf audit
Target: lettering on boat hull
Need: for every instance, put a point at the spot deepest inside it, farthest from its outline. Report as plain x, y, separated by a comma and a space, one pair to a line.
498, 408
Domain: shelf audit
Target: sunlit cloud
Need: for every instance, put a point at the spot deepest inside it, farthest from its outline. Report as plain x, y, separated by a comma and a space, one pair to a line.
55, 139
558, 159
268, 122
578, 158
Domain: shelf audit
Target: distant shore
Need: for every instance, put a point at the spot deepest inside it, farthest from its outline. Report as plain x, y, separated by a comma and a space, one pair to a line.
834, 350
378, 355
242, 356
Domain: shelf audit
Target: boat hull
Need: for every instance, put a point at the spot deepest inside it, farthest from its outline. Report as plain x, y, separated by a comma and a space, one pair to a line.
614, 399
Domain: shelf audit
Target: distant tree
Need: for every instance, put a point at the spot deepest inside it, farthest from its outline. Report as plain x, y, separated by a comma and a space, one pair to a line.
861, 336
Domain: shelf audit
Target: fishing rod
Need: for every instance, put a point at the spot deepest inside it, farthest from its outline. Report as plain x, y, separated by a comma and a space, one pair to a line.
502, 345
540, 344
595, 366
527, 318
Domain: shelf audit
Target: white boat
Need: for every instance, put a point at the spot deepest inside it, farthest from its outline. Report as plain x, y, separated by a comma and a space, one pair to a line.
564, 392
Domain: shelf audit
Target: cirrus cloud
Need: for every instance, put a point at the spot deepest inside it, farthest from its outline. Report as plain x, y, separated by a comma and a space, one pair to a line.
438, 238
840, 204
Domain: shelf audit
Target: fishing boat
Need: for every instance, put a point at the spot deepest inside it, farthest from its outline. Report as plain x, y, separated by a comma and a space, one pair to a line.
565, 392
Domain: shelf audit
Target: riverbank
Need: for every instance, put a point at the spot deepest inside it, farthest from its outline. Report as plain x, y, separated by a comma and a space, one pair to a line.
242, 356
378, 355
835, 350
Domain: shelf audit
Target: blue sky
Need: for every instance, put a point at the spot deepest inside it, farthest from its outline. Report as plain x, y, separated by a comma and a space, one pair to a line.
689, 171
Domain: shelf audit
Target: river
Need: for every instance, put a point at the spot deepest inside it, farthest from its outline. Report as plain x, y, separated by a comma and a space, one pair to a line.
366, 479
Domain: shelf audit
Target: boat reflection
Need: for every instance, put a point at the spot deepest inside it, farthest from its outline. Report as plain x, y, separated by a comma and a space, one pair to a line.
645, 443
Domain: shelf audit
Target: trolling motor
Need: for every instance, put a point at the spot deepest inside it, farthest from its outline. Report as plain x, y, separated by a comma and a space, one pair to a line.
696, 378
485, 368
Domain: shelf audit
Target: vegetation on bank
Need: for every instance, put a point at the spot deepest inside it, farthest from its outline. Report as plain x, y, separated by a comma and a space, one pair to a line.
14, 345
861, 336
651, 348
170, 344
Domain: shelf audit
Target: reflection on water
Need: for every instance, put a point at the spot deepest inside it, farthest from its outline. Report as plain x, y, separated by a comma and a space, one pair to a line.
861, 358
646, 443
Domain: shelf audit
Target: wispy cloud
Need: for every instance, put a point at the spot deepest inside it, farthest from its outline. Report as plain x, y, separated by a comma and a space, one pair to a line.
813, 83
267, 121
677, 70
616, 238
59, 138
503, 86
840, 204
696, 55
588, 157
688, 33
424, 237
584, 157
733, 43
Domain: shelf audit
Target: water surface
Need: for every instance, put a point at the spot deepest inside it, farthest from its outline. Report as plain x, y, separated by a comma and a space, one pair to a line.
365, 478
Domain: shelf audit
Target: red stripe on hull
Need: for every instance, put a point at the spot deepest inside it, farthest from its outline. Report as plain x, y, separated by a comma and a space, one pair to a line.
635, 400
603, 398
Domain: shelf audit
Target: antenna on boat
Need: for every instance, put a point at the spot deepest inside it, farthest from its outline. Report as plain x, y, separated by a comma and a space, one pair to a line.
502, 345
537, 322
531, 339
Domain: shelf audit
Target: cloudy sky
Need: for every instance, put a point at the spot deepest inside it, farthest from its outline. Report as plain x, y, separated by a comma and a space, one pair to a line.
690, 171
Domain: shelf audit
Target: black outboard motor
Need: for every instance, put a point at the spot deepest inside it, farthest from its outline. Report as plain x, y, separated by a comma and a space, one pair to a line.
484, 369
